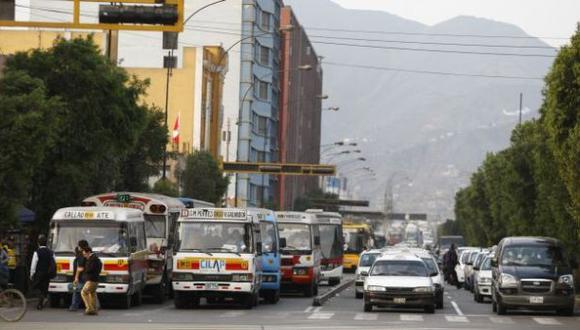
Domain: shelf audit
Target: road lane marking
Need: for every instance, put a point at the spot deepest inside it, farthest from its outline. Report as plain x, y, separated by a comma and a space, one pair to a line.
366, 317
411, 317
501, 320
453, 318
233, 314
457, 310
546, 321
309, 309
320, 316
317, 309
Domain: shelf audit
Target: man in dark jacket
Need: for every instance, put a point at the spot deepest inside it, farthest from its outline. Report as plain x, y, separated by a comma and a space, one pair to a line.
40, 270
450, 259
91, 274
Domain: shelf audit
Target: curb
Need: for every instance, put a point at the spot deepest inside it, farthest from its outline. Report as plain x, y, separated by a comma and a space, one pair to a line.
321, 299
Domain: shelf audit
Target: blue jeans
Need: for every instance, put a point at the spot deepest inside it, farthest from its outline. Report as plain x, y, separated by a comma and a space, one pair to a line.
76, 297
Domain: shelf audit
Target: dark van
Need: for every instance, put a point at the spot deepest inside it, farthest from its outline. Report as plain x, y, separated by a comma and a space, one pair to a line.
532, 273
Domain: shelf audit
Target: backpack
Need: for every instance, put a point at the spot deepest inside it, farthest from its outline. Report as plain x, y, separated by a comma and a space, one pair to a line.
51, 266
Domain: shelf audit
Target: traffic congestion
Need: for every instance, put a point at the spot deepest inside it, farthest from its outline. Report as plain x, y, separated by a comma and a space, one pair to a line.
155, 246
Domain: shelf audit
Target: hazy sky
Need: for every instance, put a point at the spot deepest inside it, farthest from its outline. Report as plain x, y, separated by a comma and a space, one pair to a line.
543, 18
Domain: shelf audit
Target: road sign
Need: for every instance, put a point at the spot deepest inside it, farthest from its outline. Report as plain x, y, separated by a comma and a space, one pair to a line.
135, 15
279, 168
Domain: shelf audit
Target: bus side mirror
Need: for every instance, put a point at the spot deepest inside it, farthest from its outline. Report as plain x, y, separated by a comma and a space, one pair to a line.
282, 242
259, 248
316, 240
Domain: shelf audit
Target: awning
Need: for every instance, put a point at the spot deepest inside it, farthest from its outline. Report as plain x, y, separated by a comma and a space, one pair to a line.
26, 216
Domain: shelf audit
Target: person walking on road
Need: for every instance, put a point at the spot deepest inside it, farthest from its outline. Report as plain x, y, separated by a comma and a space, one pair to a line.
91, 272
42, 269
451, 260
78, 282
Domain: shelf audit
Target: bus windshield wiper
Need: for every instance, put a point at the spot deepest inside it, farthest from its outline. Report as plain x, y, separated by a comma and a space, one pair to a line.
225, 250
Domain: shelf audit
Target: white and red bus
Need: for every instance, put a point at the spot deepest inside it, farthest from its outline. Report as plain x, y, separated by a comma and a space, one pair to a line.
117, 236
331, 245
161, 214
301, 254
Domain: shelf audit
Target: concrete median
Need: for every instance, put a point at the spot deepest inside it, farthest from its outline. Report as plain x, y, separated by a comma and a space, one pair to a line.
321, 299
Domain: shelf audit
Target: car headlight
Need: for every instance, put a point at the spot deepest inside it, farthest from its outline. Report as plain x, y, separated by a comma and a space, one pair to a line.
117, 278
242, 277
507, 281
300, 271
182, 276
376, 288
566, 279
424, 289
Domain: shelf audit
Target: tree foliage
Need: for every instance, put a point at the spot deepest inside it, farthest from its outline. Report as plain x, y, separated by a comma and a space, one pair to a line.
202, 178
533, 187
102, 138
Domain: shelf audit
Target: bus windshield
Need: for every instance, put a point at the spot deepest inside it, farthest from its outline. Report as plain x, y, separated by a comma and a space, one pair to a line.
154, 226
330, 241
298, 236
106, 238
215, 237
354, 240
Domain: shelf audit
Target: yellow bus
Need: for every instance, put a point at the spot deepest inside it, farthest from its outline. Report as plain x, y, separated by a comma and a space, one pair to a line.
357, 238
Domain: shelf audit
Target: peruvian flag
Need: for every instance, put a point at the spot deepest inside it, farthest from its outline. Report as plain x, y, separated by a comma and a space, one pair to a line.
175, 134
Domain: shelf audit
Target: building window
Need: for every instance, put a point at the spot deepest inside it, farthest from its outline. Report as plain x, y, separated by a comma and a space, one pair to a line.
265, 21
262, 89
264, 55
262, 125
260, 156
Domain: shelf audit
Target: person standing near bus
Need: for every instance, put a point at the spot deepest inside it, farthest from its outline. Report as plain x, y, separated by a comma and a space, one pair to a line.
78, 282
91, 272
42, 269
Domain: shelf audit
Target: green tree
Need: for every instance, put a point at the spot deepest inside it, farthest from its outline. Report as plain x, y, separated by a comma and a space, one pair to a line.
28, 129
202, 178
561, 116
102, 128
166, 187
310, 200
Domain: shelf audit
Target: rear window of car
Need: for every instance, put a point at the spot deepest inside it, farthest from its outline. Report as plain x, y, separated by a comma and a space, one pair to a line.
399, 268
367, 259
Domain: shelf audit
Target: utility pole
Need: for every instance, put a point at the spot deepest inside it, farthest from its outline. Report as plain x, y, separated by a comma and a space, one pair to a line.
521, 105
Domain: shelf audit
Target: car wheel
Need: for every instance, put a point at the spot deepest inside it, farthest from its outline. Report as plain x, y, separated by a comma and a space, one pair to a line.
430, 309
501, 309
368, 307
358, 295
566, 311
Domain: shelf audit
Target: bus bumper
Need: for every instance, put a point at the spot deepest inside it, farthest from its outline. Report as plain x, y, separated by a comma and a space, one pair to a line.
215, 287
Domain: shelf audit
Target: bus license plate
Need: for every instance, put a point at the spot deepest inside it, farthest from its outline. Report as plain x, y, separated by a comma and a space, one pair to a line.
536, 300
400, 301
212, 286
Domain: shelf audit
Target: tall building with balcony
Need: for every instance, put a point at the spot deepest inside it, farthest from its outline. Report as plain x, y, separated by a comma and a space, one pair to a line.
249, 31
300, 110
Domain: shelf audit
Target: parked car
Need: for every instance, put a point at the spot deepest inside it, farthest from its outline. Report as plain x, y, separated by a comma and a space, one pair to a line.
532, 273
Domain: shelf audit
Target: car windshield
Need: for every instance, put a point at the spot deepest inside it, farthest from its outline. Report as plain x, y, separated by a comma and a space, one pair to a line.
431, 266
464, 257
367, 259
399, 268
298, 236
532, 255
473, 256
103, 237
486, 264
215, 237
154, 226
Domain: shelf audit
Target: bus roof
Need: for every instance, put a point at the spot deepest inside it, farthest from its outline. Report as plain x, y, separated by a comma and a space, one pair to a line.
262, 214
191, 203
135, 200
98, 213
296, 217
326, 217
219, 214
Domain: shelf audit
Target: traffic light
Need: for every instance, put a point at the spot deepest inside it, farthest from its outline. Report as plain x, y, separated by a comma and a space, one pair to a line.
152, 15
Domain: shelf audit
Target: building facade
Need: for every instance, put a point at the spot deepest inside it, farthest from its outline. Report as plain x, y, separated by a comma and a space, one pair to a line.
300, 104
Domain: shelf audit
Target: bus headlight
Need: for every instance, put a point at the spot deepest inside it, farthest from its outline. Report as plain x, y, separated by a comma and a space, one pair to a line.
242, 277
117, 278
300, 271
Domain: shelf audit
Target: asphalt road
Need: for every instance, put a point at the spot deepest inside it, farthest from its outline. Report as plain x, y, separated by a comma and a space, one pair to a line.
294, 312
